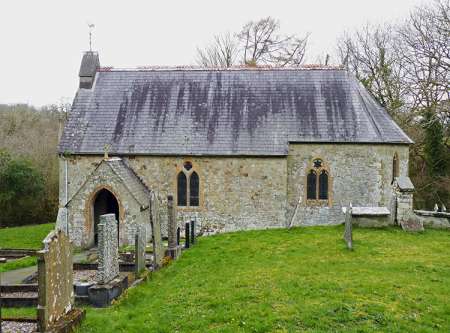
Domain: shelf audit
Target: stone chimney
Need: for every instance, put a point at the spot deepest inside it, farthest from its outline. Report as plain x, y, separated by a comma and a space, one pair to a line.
89, 66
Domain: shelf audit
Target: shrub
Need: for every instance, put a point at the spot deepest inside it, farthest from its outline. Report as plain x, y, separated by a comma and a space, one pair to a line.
21, 191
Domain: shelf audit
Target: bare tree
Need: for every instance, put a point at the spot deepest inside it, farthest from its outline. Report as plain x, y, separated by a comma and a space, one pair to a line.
372, 55
257, 43
222, 52
261, 42
425, 40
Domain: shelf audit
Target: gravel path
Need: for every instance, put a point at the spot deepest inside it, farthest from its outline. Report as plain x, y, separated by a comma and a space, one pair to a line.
18, 327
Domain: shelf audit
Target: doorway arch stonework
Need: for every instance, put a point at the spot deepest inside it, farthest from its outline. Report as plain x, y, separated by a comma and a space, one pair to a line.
132, 196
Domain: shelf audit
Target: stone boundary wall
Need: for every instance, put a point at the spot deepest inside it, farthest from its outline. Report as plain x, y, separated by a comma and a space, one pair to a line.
434, 220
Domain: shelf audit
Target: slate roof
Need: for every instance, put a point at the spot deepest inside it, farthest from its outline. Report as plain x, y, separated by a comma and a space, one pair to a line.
131, 180
223, 112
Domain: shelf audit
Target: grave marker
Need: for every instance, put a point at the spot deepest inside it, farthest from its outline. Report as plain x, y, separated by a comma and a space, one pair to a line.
108, 249
139, 249
192, 232
55, 278
348, 233
173, 249
186, 235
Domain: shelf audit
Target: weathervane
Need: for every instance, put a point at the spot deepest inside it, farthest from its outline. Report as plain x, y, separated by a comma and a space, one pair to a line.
91, 28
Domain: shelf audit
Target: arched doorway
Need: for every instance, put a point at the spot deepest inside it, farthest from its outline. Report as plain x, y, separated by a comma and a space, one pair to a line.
105, 203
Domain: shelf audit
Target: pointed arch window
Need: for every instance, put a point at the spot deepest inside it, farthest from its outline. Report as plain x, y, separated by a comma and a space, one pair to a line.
318, 183
188, 186
194, 189
311, 185
182, 189
323, 185
395, 167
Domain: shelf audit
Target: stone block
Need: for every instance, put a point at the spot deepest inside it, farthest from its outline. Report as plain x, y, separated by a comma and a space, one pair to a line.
155, 222
139, 249
55, 279
108, 249
348, 233
412, 223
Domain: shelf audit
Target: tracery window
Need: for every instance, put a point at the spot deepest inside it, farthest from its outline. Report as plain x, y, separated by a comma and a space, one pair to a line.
188, 186
318, 182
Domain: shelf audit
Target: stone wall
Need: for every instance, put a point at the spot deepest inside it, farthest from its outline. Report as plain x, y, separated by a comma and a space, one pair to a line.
236, 192
360, 174
258, 192
82, 194
434, 220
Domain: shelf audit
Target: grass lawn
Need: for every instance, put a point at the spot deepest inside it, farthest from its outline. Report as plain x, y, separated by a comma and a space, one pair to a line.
26, 237
289, 281
18, 263
19, 312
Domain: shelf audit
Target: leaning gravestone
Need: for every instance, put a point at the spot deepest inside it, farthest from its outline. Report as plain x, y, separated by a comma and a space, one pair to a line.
55, 278
348, 233
155, 222
139, 249
108, 249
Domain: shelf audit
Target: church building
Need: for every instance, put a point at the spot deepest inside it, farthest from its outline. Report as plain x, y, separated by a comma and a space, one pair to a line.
238, 148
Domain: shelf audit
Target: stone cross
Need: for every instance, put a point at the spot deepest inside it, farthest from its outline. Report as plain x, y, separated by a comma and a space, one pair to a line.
348, 233
108, 249
55, 280
139, 249
106, 150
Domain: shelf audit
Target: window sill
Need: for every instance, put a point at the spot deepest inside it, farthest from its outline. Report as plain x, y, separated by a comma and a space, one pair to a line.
189, 208
318, 202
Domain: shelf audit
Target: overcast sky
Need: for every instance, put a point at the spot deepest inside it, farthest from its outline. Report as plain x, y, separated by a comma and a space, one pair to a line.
42, 41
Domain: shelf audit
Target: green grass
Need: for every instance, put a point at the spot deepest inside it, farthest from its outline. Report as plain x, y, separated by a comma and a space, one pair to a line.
19, 313
26, 237
18, 263
289, 281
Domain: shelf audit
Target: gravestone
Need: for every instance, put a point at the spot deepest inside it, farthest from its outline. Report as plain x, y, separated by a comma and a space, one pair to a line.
61, 220
139, 249
348, 233
412, 223
178, 235
55, 279
192, 232
173, 249
186, 235
155, 222
108, 249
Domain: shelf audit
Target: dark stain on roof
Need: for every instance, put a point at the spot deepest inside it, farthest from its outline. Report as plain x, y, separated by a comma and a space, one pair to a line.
219, 112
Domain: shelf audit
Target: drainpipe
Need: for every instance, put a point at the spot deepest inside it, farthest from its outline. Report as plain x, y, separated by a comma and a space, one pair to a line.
66, 195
